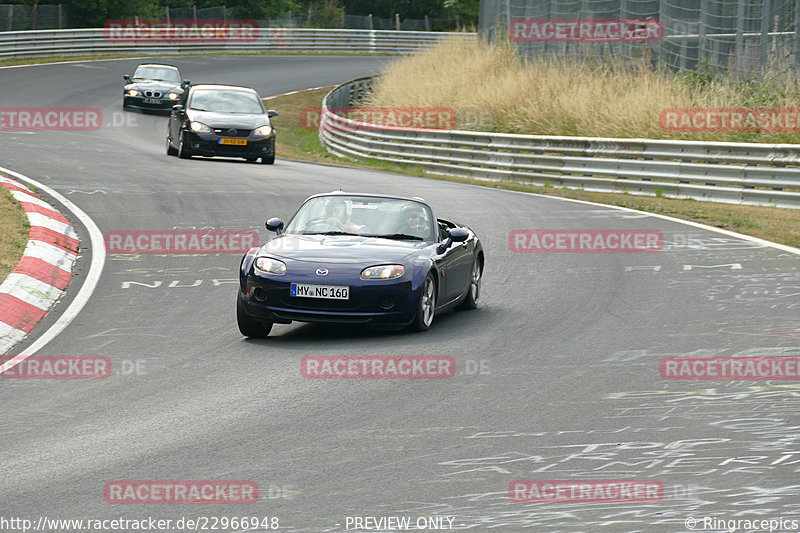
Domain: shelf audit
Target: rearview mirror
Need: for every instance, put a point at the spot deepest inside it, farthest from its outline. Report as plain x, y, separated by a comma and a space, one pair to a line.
127, 77
177, 107
272, 113
185, 84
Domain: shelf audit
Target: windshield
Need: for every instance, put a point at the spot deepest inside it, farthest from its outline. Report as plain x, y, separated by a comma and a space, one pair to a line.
226, 101
389, 218
157, 74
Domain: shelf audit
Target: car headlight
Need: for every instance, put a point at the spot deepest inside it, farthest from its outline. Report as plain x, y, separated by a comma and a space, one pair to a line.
173, 96
133, 92
263, 130
199, 127
383, 272
271, 266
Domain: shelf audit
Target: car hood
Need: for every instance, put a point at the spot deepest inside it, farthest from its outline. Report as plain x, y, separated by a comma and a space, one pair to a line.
216, 120
340, 248
163, 86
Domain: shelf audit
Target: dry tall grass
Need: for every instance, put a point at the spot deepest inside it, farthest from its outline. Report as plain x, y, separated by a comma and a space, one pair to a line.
491, 89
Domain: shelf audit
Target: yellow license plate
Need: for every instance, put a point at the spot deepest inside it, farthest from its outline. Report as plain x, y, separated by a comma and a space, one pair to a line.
242, 142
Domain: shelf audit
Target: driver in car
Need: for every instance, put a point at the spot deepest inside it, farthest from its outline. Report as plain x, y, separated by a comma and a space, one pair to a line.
414, 223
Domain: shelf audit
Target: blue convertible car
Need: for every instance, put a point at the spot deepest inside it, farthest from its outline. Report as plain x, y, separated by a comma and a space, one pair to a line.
359, 259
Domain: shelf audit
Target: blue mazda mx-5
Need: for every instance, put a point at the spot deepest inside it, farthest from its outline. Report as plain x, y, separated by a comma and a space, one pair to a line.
359, 259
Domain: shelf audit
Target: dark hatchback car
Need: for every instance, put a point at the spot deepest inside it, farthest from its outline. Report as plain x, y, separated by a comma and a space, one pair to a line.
153, 87
221, 120
359, 259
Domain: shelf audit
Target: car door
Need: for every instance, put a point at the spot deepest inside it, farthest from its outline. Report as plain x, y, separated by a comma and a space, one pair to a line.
455, 266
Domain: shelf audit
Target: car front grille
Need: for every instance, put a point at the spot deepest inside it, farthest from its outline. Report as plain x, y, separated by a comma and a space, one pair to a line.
319, 304
232, 132
152, 94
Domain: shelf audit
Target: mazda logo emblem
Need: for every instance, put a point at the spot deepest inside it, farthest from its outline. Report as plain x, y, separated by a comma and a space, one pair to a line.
322, 272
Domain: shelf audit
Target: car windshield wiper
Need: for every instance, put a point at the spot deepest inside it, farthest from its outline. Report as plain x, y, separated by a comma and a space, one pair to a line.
330, 233
398, 236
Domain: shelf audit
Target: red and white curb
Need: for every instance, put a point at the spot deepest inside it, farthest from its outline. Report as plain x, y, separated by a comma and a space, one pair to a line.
43, 273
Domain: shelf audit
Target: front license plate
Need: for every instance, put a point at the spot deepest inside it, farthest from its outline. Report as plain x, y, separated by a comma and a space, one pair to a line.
151, 100
329, 292
226, 140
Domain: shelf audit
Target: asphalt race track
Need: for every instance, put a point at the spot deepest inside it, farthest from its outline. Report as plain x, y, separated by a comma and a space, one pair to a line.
557, 370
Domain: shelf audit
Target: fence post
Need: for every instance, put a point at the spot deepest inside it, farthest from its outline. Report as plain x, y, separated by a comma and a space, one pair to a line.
224, 14
763, 39
60, 24
397, 21
194, 13
796, 29
702, 45
427, 23
35, 12
369, 19
738, 63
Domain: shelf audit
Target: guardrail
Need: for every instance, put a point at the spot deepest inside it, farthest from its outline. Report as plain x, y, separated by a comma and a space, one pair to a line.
42, 43
742, 173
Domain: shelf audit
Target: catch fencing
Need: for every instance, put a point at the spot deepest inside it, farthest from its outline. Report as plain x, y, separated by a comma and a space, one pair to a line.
746, 38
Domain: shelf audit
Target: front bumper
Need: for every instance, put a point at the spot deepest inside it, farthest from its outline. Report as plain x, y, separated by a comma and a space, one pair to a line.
137, 102
208, 144
378, 302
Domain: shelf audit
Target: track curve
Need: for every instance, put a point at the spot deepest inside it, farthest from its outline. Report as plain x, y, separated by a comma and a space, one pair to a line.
569, 347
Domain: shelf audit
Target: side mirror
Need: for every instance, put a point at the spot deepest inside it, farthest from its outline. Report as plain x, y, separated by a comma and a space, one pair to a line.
272, 113
127, 77
185, 84
275, 224
177, 107
453, 235
459, 234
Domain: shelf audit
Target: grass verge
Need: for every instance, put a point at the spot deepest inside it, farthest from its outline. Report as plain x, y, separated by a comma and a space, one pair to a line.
13, 232
298, 139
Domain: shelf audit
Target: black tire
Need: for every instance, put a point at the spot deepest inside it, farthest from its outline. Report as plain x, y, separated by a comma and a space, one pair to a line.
170, 149
426, 307
474, 290
247, 326
183, 152
269, 159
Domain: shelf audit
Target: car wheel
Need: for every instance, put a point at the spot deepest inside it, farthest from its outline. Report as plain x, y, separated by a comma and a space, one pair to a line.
426, 307
269, 159
183, 152
170, 149
474, 291
247, 326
